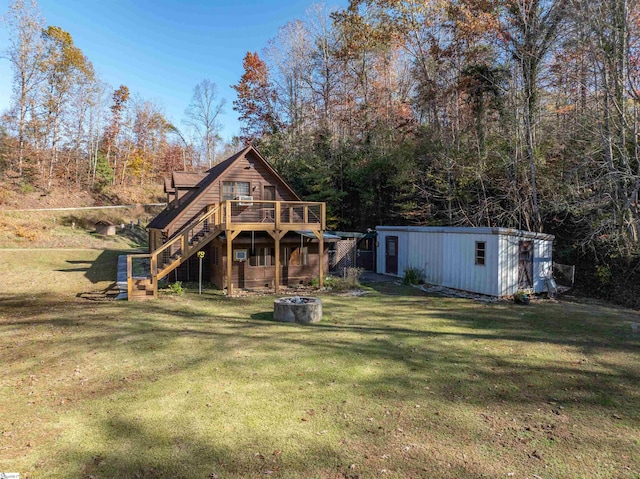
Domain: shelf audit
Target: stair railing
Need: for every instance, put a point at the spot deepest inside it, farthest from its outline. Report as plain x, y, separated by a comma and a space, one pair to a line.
182, 245
176, 250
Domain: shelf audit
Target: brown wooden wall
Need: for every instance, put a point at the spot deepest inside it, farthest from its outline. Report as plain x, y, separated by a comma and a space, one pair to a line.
254, 172
246, 276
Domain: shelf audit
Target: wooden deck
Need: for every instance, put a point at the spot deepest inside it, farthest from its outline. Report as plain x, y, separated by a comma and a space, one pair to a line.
231, 217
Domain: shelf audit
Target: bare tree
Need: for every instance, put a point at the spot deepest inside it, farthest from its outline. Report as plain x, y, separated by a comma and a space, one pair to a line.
26, 52
534, 26
202, 115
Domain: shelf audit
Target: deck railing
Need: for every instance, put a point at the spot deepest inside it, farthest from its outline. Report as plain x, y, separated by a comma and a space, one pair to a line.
280, 215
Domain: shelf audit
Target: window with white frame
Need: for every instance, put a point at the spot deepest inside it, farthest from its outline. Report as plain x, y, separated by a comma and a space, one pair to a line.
232, 189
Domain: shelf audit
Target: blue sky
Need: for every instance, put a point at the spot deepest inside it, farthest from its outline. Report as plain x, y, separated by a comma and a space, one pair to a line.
160, 49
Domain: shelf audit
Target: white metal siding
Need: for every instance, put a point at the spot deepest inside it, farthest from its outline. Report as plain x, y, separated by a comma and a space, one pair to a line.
424, 251
447, 257
459, 258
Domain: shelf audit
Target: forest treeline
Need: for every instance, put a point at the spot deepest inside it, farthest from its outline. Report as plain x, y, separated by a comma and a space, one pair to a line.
510, 113
66, 126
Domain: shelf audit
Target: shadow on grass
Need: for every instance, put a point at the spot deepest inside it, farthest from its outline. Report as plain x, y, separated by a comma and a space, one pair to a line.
143, 453
264, 316
465, 353
103, 268
417, 349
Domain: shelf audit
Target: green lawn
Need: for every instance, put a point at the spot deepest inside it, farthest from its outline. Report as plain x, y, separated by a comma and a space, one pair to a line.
394, 383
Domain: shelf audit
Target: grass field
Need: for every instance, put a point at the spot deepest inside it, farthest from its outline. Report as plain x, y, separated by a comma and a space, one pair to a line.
393, 384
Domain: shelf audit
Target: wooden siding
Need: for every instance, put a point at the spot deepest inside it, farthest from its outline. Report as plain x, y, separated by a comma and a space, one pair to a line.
155, 239
246, 276
244, 169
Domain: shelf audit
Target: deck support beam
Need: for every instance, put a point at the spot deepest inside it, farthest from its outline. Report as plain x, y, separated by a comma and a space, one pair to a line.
230, 235
320, 235
277, 236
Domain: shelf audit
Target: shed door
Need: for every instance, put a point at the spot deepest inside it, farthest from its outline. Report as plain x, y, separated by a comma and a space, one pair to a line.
391, 255
525, 265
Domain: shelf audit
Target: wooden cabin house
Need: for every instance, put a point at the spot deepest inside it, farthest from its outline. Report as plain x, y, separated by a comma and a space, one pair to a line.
253, 229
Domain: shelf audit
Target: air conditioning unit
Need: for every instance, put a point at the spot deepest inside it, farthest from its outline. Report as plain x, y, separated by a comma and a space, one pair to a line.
245, 200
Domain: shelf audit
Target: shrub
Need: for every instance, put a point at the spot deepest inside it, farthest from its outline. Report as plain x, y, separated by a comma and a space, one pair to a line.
521, 297
350, 280
27, 233
176, 288
413, 276
329, 282
26, 188
603, 274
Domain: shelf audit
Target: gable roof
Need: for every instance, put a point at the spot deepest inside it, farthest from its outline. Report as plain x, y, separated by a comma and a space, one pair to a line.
168, 187
169, 215
186, 179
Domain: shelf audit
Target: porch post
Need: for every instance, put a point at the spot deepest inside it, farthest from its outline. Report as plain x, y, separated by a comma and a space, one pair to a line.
229, 261
276, 283
321, 260
320, 236
277, 236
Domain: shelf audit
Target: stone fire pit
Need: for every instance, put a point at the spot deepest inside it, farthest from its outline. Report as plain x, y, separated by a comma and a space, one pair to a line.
297, 309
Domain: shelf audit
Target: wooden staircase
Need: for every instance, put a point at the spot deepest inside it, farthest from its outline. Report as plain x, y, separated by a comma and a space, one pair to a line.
142, 289
142, 280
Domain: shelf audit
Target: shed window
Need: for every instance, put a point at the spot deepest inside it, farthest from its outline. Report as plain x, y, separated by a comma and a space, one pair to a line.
232, 189
481, 249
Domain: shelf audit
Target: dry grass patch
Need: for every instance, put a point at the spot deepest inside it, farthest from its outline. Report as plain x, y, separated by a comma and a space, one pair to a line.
71, 229
392, 384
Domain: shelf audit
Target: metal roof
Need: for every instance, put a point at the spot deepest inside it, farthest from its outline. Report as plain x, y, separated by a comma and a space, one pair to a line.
468, 230
310, 234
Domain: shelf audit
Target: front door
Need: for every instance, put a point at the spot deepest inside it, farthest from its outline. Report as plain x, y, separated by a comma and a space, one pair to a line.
268, 209
525, 265
391, 255
269, 193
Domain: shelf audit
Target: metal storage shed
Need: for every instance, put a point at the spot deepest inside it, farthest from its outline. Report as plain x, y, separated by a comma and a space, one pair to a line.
491, 261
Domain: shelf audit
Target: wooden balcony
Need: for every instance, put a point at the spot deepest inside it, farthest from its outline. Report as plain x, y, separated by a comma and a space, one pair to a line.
271, 215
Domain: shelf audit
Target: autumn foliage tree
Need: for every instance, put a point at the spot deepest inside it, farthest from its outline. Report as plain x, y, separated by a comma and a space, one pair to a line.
256, 100
65, 125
